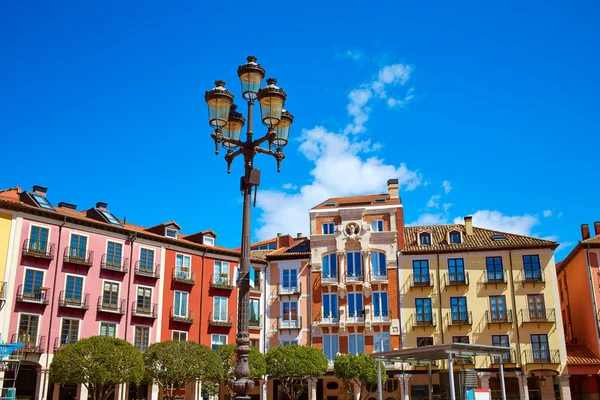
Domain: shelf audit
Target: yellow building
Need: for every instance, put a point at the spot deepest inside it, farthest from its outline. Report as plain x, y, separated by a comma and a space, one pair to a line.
460, 283
6, 240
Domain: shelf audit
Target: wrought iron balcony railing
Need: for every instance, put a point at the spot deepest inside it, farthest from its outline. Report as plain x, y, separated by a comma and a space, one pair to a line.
354, 277
499, 317
117, 264
533, 276
422, 320
328, 319
73, 300
284, 323
537, 316
186, 277
255, 320
421, 280
146, 269
379, 276
38, 249
222, 281
179, 317
116, 306
33, 344
457, 279
74, 255
507, 358
145, 311
541, 356
382, 316
286, 290
61, 342
495, 278
355, 317
460, 318
32, 295
220, 320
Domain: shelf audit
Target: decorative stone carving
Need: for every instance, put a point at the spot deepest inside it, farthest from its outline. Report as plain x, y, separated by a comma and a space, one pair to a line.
317, 267
366, 289
352, 231
342, 290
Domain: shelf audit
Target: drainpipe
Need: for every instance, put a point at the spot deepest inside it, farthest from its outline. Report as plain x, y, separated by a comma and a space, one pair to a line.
592, 291
439, 289
514, 307
52, 305
201, 293
132, 238
399, 289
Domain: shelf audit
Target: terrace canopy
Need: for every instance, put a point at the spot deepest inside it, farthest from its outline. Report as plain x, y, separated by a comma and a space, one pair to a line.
427, 355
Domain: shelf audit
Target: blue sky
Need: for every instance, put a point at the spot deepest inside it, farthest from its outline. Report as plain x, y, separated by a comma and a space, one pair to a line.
477, 108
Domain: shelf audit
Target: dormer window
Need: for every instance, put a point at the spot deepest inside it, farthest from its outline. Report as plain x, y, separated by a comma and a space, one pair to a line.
209, 241
425, 238
172, 233
455, 237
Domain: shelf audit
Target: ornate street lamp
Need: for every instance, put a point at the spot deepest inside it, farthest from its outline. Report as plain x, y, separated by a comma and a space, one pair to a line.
228, 123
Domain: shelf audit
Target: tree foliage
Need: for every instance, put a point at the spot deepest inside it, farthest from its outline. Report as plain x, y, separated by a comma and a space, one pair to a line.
100, 363
356, 371
256, 361
171, 365
294, 365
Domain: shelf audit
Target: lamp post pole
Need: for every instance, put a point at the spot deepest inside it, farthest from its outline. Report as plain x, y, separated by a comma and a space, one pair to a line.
228, 124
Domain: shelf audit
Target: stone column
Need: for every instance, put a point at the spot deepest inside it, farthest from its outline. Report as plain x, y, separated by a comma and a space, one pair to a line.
154, 392
484, 379
366, 266
312, 389
341, 266
43, 384
523, 388
565, 389
403, 380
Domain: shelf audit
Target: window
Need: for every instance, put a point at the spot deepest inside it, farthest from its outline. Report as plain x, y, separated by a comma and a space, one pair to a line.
289, 312
290, 278
330, 346
458, 307
381, 341
289, 342
172, 233
454, 237
330, 266
69, 332
493, 266
424, 341
537, 309
146, 260
42, 202
423, 308
421, 272
254, 277
217, 341
378, 264
354, 264
425, 238
142, 337
209, 241
109, 217
179, 336
377, 226
73, 290
456, 270
356, 343
328, 228
355, 305
533, 270
380, 305
38, 239
460, 339
182, 266
180, 309
539, 347
110, 295
33, 283
222, 273
254, 343
144, 299
108, 329
78, 246
28, 329
498, 309
330, 306
501, 341
113, 254
254, 312
268, 246
220, 309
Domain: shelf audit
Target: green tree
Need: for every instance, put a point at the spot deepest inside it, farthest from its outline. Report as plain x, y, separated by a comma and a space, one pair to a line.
256, 361
356, 371
99, 363
294, 365
172, 365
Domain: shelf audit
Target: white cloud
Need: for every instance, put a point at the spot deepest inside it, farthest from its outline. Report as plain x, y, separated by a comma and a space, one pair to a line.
547, 213
447, 187
495, 220
354, 54
565, 246
289, 186
434, 201
446, 206
429, 219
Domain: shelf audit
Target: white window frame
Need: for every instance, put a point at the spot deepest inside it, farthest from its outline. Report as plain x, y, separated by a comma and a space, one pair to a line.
179, 333
109, 323
176, 312
331, 337
144, 287
183, 256
375, 226
219, 336
220, 298
290, 286
330, 225
167, 230
208, 240
31, 225
356, 336
87, 242
378, 338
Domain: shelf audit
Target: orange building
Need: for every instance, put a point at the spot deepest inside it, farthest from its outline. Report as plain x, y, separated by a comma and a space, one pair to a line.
579, 291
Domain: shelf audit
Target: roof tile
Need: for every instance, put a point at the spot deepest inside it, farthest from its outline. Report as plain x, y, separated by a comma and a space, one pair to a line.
580, 354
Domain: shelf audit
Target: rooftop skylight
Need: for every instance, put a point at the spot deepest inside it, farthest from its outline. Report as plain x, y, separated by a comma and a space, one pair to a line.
109, 217
498, 236
42, 202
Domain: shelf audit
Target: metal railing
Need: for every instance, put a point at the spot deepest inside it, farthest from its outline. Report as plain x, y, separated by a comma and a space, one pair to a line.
460, 318
457, 279
116, 306
421, 280
329, 278
507, 358
36, 296
186, 319
355, 277
495, 277
114, 264
74, 255
223, 281
255, 320
257, 286
499, 317
146, 269
357, 317
83, 302
283, 290
328, 319
38, 249
33, 344
377, 276
283, 323
149, 311
384, 316
228, 323
539, 356
533, 276
187, 277
422, 320
60, 342
537, 316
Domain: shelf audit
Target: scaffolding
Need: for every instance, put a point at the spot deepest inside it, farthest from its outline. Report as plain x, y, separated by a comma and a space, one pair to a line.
11, 355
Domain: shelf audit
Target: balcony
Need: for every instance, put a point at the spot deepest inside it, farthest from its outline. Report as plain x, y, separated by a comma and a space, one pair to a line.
33, 344
495, 278
116, 264
547, 315
382, 317
357, 317
145, 311
460, 318
288, 290
184, 319
496, 317
37, 249
422, 320
283, 323
508, 358
71, 301
59, 343
377, 276
76, 256
421, 280
255, 321
114, 306
354, 278
185, 277
328, 319
221, 322
329, 279
538, 356
223, 281
147, 270
533, 276
35, 296
456, 279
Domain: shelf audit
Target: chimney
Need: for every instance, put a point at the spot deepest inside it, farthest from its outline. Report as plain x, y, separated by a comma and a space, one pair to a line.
101, 206
393, 188
469, 225
597, 228
299, 235
40, 190
62, 204
278, 234
585, 231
